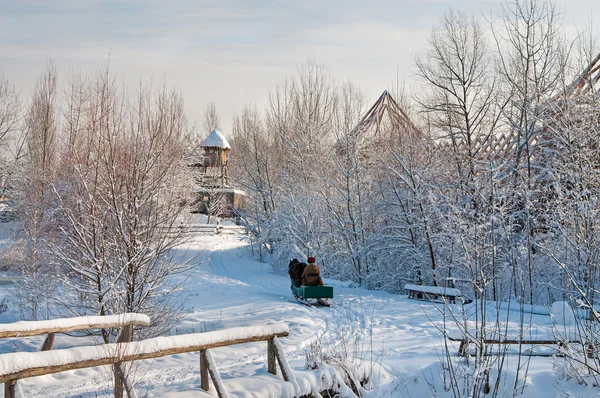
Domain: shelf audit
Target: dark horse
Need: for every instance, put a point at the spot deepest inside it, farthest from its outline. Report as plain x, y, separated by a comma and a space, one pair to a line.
295, 270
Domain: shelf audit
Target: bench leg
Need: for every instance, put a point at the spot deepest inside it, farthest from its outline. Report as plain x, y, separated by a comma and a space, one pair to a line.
463, 348
590, 351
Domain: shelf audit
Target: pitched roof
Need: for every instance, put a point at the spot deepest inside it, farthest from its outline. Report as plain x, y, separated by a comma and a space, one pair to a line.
216, 139
387, 105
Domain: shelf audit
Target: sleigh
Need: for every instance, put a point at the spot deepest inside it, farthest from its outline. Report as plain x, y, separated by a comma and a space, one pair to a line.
311, 295
308, 295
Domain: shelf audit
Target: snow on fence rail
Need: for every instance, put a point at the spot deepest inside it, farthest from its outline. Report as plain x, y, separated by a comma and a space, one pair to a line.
15, 366
432, 292
64, 325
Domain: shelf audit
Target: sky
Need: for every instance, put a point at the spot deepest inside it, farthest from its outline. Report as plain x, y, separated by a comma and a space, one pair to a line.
231, 52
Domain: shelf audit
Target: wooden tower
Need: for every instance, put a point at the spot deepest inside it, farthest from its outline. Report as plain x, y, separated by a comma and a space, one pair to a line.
215, 152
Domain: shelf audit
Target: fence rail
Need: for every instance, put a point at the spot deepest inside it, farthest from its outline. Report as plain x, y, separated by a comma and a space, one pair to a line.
65, 325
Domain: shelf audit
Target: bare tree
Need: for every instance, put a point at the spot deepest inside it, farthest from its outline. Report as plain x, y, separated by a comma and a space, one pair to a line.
216, 205
300, 118
347, 200
462, 102
461, 92
10, 110
10, 139
532, 61
119, 198
211, 118
529, 48
75, 97
255, 171
33, 197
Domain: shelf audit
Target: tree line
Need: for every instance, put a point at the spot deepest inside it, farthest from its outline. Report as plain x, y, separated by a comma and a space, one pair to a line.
486, 177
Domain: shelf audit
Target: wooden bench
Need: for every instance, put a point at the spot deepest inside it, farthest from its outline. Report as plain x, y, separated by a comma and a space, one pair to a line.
420, 292
16, 366
463, 348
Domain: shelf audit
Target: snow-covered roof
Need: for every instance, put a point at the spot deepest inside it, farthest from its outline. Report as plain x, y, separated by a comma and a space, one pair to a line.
216, 139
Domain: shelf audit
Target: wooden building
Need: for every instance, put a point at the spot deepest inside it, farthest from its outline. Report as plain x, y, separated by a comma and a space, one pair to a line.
213, 165
215, 194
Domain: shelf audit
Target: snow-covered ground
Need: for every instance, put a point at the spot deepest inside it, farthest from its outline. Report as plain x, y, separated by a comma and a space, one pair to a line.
396, 338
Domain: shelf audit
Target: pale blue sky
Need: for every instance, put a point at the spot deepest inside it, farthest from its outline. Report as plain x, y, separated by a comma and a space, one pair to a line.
232, 52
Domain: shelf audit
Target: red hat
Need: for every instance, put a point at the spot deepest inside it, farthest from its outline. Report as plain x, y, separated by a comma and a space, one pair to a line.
311, 259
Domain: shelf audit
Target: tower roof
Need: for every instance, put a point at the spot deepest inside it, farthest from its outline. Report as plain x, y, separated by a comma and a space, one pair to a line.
216, 139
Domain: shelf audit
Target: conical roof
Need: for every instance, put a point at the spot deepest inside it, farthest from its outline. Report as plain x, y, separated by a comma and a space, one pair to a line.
216, 139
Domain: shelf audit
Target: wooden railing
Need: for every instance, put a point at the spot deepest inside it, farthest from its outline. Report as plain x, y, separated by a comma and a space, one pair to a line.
16, 366
50, 327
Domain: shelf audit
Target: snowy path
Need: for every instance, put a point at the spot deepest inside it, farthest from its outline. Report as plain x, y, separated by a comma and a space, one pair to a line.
229, 288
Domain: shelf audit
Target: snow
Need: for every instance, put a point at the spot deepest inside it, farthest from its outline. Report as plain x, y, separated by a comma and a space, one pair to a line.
29, 328
563, 314
216, 139
397, 341
227, 190
448, 291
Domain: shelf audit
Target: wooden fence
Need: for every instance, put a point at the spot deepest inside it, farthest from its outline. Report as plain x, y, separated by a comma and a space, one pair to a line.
16, 366
50, 327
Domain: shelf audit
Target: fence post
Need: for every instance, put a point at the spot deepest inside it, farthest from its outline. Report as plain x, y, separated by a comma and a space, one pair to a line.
204, 371
119, 374
9, 389
48, 343
271, 362
213, 371
283, 364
